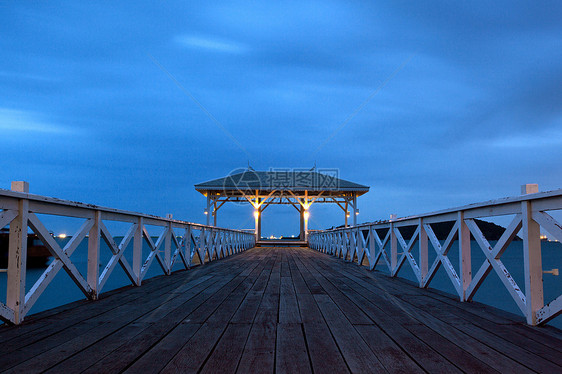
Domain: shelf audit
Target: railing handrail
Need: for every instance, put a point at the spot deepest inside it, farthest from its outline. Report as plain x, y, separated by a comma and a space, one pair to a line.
92, 207
476, 208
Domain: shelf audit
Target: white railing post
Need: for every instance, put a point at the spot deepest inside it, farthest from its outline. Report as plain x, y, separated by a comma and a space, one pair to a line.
226, 242
532, 262
341, 243
187, 245
137, 251
17, 261
359, 243
229, 243
209, 241
202, 244
424, 260
93, 275
465, 259
372, 248
168, 245
393, 247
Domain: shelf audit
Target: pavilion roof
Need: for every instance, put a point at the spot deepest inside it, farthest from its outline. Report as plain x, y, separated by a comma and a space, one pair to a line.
290, 180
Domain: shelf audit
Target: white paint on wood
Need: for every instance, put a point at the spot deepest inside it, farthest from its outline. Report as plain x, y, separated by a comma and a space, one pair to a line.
17, 261
20, 186
529, 188
532, 260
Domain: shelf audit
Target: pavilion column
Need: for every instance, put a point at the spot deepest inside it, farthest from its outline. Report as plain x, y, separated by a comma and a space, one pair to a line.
215, 213
257, 219
354, 210
208, 211
301, 212
259, 223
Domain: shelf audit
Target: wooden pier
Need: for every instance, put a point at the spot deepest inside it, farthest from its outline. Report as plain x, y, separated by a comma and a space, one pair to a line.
278, 310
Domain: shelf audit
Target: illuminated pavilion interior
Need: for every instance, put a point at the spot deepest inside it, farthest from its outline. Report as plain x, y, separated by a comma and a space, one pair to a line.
298, 188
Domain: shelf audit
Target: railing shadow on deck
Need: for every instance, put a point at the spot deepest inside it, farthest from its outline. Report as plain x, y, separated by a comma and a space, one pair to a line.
377, 242
22, 211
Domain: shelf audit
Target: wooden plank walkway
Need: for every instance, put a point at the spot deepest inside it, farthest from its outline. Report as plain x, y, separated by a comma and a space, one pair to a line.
284, 310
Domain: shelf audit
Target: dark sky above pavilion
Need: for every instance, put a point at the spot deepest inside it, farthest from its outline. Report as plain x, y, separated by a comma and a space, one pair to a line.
433, 104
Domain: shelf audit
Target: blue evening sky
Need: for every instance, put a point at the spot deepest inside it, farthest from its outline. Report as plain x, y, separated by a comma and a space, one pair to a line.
129, 104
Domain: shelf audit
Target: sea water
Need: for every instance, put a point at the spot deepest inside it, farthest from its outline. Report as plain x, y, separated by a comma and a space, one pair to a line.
62, 289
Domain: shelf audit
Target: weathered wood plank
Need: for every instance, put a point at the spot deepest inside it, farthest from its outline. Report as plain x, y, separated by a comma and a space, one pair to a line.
291, 354
323, 350
140, 312
288, 307
391, 355
357, 354
259, 351
191, 356
158, 356
216, 312
227, 353
424, 356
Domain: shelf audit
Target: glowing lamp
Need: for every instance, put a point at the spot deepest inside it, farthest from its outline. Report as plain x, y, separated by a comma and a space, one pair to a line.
256, 214
306, 214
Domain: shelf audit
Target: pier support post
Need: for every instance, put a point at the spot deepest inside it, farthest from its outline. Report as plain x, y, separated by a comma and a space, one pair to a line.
168, 246
393, 247
137, 251
423, 242
533, 263
372, 248
465, 259
94, 255
187, 246
17, 260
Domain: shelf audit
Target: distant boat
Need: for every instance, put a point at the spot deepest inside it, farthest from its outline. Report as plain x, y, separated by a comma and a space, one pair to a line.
37, 253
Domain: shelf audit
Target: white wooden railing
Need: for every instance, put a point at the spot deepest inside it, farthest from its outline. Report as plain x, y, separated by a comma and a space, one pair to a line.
363, 244
20, 211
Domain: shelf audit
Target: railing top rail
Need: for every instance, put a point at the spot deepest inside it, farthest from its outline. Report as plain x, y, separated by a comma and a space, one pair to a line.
76, 204
466, 208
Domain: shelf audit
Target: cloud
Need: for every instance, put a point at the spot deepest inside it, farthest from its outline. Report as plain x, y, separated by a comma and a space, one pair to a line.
210, 43
533, 141
18, 121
